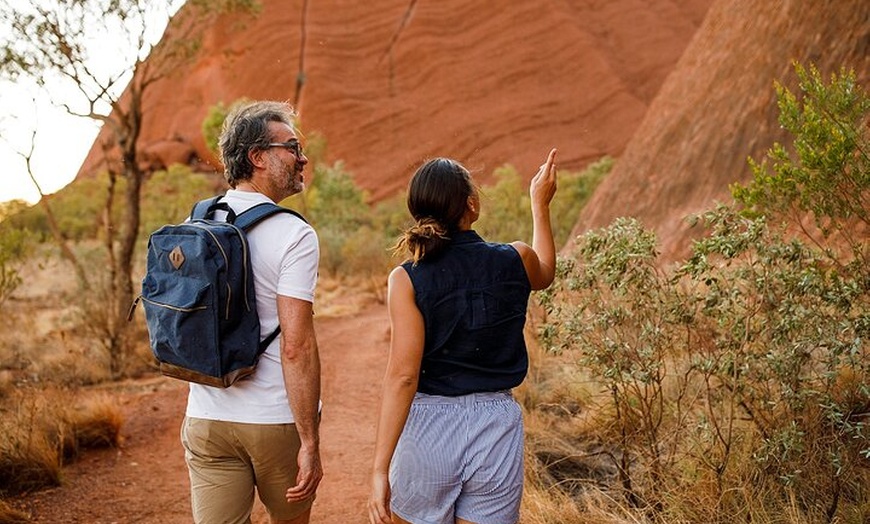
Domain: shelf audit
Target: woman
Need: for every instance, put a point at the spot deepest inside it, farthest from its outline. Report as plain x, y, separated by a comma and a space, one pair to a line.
449, 445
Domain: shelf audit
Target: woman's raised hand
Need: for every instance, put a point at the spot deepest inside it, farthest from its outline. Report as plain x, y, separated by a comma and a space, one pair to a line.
543, 185
540, 259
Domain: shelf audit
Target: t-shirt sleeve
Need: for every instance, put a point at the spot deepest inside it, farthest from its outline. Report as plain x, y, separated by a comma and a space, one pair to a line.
298, 274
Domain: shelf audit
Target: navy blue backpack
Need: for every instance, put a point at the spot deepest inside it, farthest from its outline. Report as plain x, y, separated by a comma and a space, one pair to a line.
199, 298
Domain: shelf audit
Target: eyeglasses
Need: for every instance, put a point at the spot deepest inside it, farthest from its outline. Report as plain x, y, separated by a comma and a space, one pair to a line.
291, 145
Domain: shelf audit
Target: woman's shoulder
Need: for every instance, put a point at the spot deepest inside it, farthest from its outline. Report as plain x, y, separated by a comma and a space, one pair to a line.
399, 273
521, 247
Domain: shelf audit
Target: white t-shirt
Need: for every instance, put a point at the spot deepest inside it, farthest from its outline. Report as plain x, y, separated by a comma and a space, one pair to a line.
284, 257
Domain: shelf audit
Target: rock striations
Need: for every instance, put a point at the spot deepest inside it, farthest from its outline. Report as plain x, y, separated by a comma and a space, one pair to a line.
392, 82
718, 107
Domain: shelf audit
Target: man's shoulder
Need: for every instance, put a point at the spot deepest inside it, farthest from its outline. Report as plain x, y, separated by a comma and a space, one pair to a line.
283, 233
289, 222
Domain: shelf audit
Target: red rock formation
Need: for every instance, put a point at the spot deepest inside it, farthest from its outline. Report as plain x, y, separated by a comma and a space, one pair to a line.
392, 82
718, 107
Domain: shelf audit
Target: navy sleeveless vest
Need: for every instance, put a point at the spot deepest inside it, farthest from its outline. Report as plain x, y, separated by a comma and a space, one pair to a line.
473, 297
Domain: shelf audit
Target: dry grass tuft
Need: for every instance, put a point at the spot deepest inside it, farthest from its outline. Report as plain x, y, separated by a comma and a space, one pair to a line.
541, 506
96, 422
68, 363
10, 515
40, 428
30, 454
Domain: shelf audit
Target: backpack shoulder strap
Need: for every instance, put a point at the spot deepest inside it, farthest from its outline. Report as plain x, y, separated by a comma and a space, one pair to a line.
268, 340
200, 209
254, 215
250, 218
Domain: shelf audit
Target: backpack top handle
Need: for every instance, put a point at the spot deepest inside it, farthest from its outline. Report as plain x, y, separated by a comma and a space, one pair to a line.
205, 209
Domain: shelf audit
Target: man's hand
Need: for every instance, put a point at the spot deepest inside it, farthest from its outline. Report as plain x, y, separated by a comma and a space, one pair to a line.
309, 476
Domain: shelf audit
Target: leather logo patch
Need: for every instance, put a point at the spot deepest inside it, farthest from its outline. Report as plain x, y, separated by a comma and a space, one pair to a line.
176, 257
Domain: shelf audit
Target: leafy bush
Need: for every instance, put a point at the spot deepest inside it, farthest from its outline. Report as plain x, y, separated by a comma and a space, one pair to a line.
737, 381
352, 241
11, 208
625, 321
824, 178
79, 207
212, 124
787, 344
169, 195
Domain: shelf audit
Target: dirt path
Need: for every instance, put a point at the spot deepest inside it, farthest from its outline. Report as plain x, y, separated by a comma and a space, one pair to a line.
145, 480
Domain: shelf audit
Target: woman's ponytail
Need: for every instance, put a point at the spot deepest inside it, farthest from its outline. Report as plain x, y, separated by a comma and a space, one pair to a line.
425, 238
437, 199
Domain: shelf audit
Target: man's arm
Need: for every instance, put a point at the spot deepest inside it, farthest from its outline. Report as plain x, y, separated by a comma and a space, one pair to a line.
301, 365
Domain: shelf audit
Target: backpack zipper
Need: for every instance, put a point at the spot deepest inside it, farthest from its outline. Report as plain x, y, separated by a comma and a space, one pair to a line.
245, 255
167, 306
226, 261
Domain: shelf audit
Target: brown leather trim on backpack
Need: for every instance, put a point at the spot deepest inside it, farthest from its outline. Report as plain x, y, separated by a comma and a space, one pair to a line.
171, 370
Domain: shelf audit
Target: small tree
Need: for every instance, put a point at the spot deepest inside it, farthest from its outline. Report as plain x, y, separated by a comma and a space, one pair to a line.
624, 318
53, 43
820, 186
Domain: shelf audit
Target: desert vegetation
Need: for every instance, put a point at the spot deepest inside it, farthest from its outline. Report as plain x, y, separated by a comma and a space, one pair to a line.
729, 386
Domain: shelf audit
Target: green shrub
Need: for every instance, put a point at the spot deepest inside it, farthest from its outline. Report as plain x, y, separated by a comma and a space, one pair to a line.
787, 343
77, 208
819, 186
351, 239
737, 381
212, 124
11, 208
615, 307
169, 195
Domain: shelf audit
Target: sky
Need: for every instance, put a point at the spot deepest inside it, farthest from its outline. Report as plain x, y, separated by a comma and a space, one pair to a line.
61, 144
62, 141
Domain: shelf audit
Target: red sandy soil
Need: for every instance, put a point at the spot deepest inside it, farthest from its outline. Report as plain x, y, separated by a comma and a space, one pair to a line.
145, 479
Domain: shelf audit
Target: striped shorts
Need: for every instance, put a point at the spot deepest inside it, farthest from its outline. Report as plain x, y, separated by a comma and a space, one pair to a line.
459, 457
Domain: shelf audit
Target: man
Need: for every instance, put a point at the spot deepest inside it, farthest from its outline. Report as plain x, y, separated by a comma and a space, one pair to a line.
263, 431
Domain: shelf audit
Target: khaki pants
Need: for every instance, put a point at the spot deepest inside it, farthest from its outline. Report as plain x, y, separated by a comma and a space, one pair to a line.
227, 460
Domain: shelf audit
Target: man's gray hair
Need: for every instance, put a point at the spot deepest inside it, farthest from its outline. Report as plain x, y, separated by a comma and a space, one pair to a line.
246, 127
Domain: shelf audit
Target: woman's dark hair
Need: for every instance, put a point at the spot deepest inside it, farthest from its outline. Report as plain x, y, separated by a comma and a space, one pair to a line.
246, 128
437, 199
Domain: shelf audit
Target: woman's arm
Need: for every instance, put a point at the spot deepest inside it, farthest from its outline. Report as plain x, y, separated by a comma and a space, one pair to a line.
400, 385
540, 259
